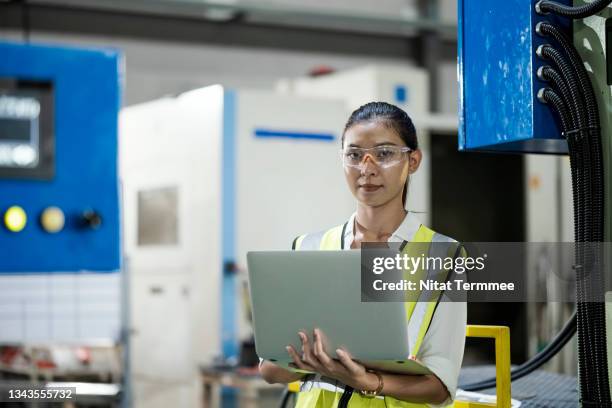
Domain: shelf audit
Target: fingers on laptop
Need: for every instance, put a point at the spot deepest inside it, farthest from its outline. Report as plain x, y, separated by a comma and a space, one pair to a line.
319, 351
307, 356
297, 360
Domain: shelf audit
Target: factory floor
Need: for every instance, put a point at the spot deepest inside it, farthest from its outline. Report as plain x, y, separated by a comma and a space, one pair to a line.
540, 389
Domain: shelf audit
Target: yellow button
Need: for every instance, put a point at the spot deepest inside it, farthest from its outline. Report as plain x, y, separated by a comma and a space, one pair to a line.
52, 220
15, 219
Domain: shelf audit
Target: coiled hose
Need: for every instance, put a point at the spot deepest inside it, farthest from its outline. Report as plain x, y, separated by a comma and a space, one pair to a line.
547, 6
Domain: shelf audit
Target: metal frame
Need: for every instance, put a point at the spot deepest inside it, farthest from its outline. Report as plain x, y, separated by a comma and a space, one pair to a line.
265, 12
501, 334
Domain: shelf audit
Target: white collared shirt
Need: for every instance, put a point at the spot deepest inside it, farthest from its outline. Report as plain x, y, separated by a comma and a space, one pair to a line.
444, 343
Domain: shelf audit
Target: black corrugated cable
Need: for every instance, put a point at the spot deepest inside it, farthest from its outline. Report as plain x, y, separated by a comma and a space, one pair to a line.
576, 101
586, 10
589, 367
594, 294
578, 181
547, 95
549, 74
576, 104
548, 30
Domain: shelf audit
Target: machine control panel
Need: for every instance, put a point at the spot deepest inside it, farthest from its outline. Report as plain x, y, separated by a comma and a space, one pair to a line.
58, 159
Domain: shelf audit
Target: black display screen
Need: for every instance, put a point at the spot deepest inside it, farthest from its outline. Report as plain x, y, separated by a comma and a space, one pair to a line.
15, 129
27, 134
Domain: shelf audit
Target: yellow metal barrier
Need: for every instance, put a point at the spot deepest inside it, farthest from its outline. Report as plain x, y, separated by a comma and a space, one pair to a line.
501, 334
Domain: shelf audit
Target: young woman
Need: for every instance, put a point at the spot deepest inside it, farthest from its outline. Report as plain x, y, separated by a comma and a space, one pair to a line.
379, 153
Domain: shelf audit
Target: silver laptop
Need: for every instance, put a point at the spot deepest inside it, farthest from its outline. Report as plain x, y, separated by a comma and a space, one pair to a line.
301, 290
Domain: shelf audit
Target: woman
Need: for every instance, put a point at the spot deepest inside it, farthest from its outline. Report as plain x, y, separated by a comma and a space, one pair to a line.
380, 152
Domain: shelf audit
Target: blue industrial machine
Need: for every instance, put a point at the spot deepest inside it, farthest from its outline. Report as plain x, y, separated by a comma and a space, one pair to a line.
60, 270
524, 88
58, 159
499, 109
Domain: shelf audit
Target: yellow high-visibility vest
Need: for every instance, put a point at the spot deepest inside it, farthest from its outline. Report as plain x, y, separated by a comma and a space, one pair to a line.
418, 313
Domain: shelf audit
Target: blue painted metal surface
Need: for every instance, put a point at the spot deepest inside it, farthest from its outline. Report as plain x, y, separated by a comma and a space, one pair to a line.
401, 93
498, 85
86, 88
268, 133
229, 329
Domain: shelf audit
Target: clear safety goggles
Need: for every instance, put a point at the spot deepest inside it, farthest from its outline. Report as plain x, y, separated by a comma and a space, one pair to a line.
384, 156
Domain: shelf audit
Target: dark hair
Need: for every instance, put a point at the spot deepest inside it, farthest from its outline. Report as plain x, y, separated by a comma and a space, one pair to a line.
392, 117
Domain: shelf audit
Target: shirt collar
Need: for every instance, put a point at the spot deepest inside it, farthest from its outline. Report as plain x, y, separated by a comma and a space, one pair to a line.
405, 232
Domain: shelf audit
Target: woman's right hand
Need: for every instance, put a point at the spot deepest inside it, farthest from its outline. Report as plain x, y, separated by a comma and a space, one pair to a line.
314, 358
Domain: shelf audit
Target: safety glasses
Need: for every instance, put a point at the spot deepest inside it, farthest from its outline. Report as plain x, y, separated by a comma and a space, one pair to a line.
384, 156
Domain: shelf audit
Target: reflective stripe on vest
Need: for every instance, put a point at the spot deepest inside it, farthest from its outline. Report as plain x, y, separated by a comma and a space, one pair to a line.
423, 311
418, 314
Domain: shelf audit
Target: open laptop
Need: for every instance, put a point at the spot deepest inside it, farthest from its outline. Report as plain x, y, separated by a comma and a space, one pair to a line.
301, 290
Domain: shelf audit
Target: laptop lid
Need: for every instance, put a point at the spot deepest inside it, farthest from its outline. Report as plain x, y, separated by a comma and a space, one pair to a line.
300, 290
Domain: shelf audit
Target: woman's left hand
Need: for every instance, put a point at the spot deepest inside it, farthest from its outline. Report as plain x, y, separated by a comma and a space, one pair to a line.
314, 358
